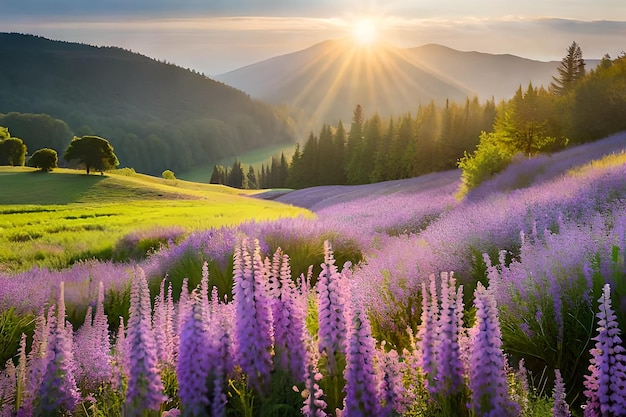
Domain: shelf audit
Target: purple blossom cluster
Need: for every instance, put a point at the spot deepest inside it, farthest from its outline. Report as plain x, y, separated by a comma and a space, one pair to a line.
332, 307
606, 386
459, 237
488, 379
145, 389
560, 407
543, 168
362, 397
556, 240
254, 333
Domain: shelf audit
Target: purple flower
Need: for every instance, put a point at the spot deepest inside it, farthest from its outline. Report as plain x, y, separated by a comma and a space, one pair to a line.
289, 312
361, 378
331, 307
450, 370
163, 325
120, 356
9, 388
220, 340
253, 317
488, 380
314, 404
145, 389
194, 363
35, 362
560, 407
606, 386
58, 390
394, 396
427, 334
92, 347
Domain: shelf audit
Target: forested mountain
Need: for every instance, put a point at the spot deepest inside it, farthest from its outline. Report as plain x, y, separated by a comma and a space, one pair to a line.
156, 115
328, 79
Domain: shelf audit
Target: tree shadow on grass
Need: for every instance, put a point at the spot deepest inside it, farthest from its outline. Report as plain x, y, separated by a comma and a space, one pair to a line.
45, 188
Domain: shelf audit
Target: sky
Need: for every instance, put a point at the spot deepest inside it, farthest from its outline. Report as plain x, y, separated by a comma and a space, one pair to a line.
217, 36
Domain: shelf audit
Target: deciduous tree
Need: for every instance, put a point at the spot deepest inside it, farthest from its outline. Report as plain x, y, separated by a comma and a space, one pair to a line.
93, 152
45, 159
12, 151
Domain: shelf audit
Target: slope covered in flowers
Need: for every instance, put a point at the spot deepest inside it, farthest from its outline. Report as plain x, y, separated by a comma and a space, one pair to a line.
510, 302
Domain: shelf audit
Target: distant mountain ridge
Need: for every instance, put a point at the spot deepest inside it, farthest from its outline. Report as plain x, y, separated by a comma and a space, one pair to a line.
328, 79
157, 116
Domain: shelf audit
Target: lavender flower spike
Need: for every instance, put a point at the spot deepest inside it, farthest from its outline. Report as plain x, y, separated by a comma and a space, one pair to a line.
145, 389
487, 375
361, 381
253, 333
560, 408
193, 365
331, 306
606, 386
58, 390
427, 333
449, 365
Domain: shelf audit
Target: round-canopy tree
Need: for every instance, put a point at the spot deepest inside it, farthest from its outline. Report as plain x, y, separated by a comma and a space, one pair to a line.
12, 150
93, 152
45, 159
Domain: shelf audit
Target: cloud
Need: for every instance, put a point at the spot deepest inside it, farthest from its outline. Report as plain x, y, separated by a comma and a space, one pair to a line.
158, 7
573, 9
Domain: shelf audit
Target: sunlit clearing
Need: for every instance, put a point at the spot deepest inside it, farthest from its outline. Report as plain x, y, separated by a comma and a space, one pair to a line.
364, 32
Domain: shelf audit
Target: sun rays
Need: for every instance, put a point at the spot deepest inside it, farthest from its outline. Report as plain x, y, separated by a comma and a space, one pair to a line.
378, 76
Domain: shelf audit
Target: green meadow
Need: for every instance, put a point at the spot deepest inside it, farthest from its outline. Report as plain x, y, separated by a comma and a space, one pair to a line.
55, 219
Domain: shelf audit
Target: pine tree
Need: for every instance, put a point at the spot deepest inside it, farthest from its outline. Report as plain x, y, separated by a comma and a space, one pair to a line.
236, 178
571, 70
253, 184
338, 155
354, 149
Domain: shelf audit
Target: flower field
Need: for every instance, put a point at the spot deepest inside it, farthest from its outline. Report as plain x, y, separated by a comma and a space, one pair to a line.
511, 302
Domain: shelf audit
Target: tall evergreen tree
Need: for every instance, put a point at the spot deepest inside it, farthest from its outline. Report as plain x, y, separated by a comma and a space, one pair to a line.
338, 155
524, 122
354, 148
236, 178
217, 177
253, 183
295, 176
571, 70
382, 159
326, 162
310, 161
283, 171
372, 139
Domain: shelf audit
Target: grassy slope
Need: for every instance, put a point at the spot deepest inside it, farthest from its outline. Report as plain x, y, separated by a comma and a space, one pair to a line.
54, 219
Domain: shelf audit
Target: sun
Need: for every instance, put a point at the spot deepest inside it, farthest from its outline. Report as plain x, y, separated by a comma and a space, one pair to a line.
365, 32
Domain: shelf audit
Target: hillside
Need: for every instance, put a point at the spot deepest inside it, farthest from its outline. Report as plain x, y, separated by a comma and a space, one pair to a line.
67, 216
329, 79
522, 174
156, 115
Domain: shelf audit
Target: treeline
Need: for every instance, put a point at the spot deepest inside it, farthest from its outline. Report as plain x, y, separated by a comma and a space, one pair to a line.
156, 115
38, 130
374, 149
577, 107
274, 175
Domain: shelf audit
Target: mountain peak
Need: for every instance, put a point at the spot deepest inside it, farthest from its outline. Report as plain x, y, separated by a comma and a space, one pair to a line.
329, 78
